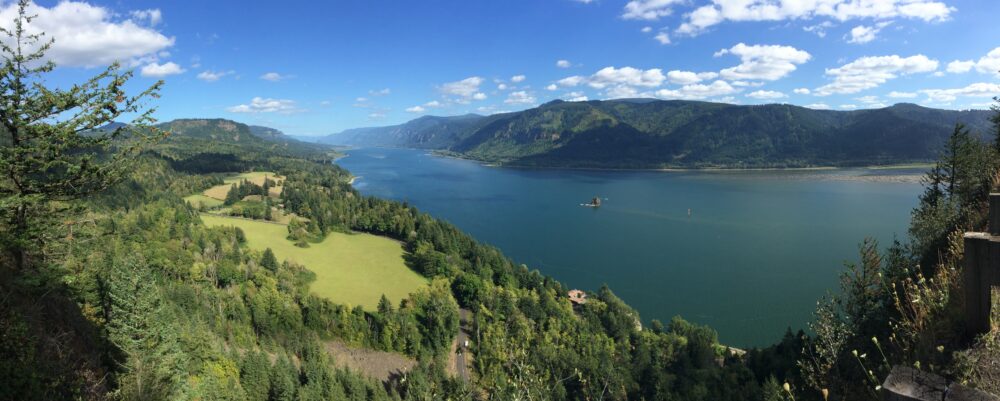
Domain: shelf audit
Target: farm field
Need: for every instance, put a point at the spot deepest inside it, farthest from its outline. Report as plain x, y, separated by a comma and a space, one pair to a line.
354, 269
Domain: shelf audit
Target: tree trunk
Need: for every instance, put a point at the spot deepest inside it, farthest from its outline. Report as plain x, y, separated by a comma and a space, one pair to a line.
20, 232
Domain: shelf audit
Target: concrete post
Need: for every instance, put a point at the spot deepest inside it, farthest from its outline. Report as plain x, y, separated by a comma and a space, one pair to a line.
976, 260
994, 219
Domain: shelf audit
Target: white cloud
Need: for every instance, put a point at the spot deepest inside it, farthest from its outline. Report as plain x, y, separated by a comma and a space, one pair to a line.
376, 115
646, 29
520, 97
988, 64
563, 64
764, 62
265, 105
901, 95
433, 103
154, 16
575, 97
868, 99
818, 106
841, 10
155, 70
518, 78
959, 67
689, 77
552, 87
502, 86
626, 76
572, 81
801, 91
380, 92
869, 72
465, 89
274, 77
764, 94
697, 91
820, 28
979, 89
416, 109
864, 34
663, 38
648, 9
618, 82
212, 76
848, 106
90, 36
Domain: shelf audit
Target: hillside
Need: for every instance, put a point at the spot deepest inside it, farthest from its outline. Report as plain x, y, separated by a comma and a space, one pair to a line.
208, 145
428, 132
656, 134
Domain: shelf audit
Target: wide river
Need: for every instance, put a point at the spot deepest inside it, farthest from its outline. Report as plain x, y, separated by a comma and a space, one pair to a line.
748, 253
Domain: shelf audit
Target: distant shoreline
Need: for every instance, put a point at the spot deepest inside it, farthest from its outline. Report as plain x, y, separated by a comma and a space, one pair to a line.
895, 178
900, 166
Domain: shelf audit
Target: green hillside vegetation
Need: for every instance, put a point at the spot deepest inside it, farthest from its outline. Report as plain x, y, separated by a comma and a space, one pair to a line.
680, 134
115, 288
351, 269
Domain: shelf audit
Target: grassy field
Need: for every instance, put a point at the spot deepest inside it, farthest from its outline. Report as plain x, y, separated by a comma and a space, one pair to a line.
199, 199
354, 269
219, 191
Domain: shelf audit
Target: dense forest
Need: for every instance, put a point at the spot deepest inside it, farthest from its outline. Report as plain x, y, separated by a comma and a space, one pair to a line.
112, 287
645, 133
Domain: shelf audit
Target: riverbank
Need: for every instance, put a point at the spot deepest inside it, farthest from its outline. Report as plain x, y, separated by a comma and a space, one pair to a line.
881, 178
494, 163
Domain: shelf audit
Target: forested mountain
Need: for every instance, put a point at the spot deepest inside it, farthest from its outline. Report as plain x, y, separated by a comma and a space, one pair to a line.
428, 132
635, 133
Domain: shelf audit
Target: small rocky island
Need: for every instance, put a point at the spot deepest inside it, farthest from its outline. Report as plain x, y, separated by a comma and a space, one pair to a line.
595, 202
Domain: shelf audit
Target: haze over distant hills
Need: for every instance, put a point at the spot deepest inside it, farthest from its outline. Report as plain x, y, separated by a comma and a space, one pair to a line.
643, 133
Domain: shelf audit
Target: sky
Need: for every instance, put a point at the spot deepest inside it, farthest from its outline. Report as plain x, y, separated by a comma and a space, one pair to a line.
319, 67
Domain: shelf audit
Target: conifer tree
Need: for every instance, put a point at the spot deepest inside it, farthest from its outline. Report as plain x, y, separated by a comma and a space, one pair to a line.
269, 261
233, 195
54, 147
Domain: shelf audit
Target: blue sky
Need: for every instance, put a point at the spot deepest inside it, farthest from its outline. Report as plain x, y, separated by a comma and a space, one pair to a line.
318, 67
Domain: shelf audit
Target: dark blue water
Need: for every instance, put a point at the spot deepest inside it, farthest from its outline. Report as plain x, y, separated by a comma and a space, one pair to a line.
756, 252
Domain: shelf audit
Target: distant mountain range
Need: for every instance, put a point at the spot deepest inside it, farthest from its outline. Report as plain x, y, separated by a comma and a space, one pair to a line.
643, 133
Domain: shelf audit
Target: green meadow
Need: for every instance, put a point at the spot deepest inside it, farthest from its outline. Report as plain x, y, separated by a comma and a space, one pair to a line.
202, 200
353, 269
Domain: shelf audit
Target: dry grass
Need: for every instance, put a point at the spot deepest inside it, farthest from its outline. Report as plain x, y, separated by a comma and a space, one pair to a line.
375, 364
983, 359
219, 191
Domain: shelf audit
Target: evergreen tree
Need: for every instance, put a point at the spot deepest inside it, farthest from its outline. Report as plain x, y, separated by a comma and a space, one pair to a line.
269, 261
135, 322
56, 149
995, 119
255, 375
233, 195
284, 380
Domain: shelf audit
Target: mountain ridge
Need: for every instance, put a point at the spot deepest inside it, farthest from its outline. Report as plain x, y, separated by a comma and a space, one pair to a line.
626, 133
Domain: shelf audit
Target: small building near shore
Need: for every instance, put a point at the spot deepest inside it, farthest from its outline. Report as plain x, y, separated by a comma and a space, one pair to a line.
577, 297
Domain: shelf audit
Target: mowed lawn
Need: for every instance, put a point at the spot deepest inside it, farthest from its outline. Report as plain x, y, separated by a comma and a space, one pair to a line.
354, 269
